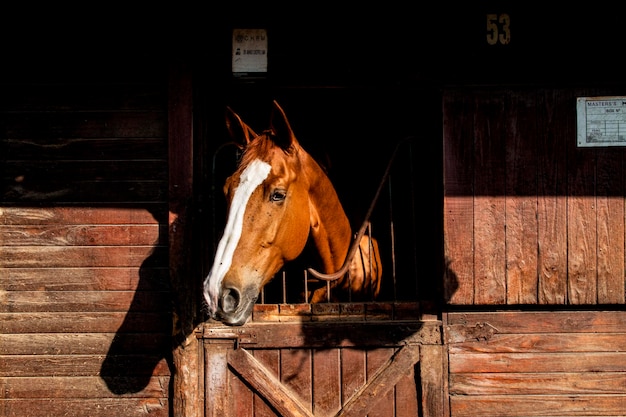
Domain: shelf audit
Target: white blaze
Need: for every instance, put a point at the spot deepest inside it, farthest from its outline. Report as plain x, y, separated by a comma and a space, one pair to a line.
251, 177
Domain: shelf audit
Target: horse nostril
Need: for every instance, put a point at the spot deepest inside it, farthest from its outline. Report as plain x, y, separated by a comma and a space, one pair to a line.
230, 300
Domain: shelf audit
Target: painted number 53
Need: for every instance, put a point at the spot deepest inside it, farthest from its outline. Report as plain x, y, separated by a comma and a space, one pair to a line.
498, 29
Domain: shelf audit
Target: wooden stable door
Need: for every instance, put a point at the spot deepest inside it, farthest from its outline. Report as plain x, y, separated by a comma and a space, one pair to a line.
336, 366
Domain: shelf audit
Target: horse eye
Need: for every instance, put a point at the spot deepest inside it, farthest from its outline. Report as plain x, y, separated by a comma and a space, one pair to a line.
278, 195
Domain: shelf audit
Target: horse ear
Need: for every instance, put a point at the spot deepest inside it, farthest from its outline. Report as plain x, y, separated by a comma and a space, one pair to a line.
238, 130
284, 136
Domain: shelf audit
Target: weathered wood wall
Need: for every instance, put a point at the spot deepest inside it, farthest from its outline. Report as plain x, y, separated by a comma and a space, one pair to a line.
510, 364
84, 301
529, 218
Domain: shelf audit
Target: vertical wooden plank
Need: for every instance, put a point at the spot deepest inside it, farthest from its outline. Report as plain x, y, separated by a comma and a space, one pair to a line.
551, 204
610, 204
407, 394
581, 227
326, 382
271, 361
295, 373
242, 401
184, 290
521, 199
458, 221
432, 378
216, 388
489, 209
376, 358
353, 375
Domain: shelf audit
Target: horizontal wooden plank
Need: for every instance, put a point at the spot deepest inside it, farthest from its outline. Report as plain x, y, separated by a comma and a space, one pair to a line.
537, 405
327, 333
64, 215
81, 343
537, 342
55, 191
82, 365
82, 235
99, 407
538, 362
123, 167
92, 301
82, 256
84, 279
85, 322
74, 387
30, 97
544, 321
566, 383
72, 130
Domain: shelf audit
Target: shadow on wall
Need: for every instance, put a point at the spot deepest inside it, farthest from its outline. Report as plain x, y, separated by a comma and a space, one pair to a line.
141, 348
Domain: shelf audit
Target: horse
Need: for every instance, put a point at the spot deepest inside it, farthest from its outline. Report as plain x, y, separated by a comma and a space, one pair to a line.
278, 199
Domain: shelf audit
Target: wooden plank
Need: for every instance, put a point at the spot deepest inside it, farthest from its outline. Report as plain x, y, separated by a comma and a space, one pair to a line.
217, 398
432, 379
582, 239
381, 382
539, 362
489, 201
92, 407
537, 405
48, 216
95, 170
144, 278
270, 360
549, 383
545, 321
82, 149
94, 301
266, 384
295, 373
458, 220
84, 322
383, 404
326, 382
181, 213
81, 365
552, 197
82, 256
521, 199
74, 387
81, 235
83, 192
45, 97
539, 342
244, 397
611, 211
353, 372
322, 334
76, 130
81, 343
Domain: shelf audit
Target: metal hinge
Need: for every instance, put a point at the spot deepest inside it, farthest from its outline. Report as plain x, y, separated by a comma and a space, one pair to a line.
238, 335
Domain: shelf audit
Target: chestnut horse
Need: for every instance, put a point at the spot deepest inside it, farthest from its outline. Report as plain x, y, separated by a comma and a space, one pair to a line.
278, 198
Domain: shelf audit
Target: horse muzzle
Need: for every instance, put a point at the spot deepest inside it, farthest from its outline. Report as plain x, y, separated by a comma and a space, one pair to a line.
234, 307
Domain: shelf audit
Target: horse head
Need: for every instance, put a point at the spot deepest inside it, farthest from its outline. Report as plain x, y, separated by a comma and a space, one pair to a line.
277, 198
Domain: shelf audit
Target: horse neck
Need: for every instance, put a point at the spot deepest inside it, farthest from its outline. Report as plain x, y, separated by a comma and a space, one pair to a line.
333, 235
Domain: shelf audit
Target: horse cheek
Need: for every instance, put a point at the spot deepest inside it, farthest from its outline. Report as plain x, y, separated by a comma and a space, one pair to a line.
294, 234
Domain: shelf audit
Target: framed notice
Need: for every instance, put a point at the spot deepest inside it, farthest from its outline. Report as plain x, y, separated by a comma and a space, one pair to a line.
601, 121
249, 52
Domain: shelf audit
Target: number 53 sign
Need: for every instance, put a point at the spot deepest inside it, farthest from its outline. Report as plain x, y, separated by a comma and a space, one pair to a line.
498, 29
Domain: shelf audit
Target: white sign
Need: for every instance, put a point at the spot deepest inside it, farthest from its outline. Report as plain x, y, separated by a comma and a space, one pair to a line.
601, 121
249, 51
